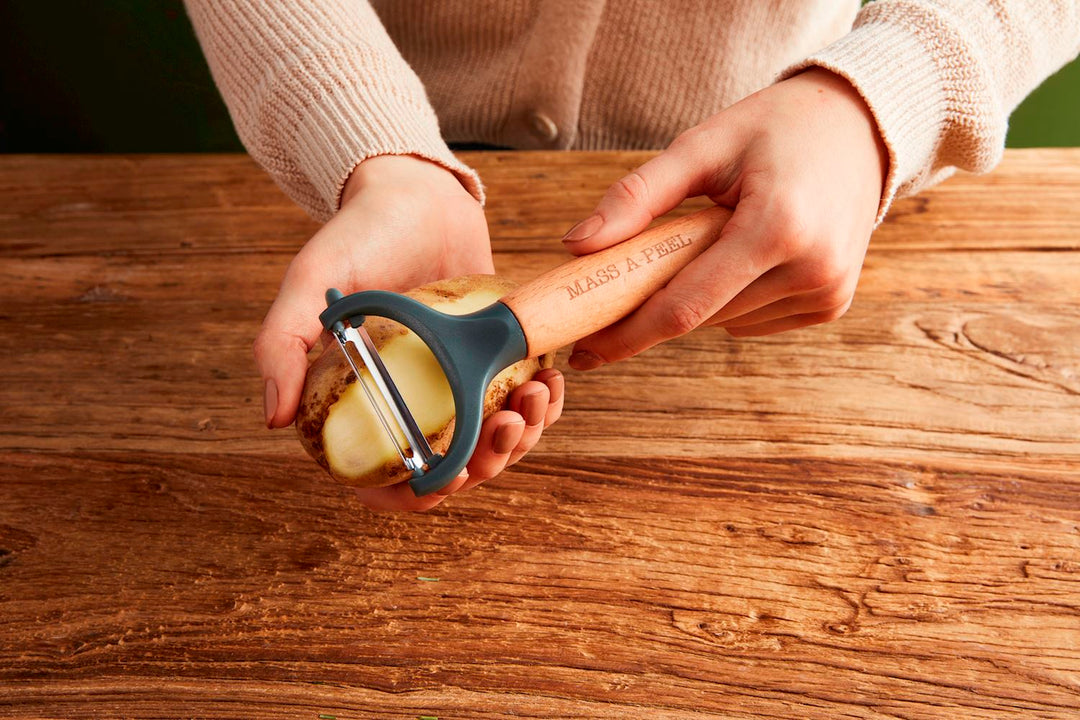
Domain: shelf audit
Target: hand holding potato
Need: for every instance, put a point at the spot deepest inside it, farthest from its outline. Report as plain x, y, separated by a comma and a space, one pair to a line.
403, 222
803, 165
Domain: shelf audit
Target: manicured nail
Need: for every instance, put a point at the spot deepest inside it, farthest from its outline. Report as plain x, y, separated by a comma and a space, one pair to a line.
270, 401
507, 436
585, 360
556, 386
533, 408
584, 229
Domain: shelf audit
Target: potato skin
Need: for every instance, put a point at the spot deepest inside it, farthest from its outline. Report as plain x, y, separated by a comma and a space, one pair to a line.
329, 376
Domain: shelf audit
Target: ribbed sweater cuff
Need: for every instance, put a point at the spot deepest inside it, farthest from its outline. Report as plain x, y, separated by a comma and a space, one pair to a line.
361, 120
897, 76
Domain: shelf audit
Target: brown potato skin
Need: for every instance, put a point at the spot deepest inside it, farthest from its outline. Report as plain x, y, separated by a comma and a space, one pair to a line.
329, 375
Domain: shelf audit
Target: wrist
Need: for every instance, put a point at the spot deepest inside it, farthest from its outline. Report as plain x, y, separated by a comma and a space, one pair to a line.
409, 172
857, 112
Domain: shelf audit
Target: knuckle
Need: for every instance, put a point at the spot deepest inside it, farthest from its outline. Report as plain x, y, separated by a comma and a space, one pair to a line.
552, 417
682, 316
840, 311
273, 345
834, 313
688, 142
261, 343
630, 188
623, 348
827, 316
836, 295
788, 234
827, 272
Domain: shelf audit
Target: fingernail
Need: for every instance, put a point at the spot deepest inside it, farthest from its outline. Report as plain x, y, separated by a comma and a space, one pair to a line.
585, 360
507, 436
556, 386
533, 408
583, 229
270, 401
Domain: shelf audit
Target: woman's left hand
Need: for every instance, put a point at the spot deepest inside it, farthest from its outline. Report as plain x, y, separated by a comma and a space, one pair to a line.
803, 166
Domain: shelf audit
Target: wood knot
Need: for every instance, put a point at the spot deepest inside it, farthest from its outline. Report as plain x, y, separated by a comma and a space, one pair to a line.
795, 534
1067, 566
841, 628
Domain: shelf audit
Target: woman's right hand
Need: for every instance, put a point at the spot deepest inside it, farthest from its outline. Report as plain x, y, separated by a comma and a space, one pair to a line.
403, 222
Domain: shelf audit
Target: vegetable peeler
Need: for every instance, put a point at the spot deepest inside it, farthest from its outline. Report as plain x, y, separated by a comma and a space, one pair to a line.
560, 307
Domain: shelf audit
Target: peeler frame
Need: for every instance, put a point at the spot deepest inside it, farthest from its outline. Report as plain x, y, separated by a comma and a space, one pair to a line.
471, 349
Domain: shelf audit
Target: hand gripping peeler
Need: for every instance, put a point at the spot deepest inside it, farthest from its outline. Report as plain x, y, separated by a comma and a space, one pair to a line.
560, 307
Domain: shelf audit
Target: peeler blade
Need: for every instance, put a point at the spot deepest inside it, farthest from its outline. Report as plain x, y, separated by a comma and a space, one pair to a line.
415, 452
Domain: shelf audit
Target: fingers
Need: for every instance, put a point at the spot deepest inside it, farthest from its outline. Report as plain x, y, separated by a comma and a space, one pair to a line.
804, 304
792, 322
688, 301
505, 437
399, 497
536, 405
556, 385
784, 291
637, 199
455, 484
531, 402
529, 407
756, 275
499, 436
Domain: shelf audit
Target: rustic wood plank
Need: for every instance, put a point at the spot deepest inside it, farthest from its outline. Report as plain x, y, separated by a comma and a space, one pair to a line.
875, 518
124, 206
935, 368
927, 585
1028, 202
755, 585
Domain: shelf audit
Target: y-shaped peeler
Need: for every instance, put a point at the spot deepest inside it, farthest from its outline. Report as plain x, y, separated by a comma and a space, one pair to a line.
560, 307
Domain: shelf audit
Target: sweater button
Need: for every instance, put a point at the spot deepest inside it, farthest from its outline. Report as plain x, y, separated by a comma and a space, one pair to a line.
543, 126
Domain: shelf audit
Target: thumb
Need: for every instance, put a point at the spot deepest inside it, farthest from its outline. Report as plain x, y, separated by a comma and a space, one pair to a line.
290, 330
633, 202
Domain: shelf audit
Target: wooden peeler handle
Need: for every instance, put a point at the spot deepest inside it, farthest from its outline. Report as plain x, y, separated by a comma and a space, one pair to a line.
594, 291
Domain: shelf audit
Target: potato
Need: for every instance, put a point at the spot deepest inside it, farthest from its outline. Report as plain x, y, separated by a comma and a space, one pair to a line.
336, 423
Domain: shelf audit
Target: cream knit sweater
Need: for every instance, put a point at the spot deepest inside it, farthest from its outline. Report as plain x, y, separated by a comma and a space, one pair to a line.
315, 87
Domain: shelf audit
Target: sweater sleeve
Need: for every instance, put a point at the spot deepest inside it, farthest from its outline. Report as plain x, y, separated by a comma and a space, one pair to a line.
314, 88
942, 76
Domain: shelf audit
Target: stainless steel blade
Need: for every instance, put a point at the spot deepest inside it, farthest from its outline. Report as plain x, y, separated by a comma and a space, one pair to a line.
417, 439
344, 343
418, 454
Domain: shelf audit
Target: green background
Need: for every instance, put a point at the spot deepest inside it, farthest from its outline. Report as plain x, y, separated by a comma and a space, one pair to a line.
128, 76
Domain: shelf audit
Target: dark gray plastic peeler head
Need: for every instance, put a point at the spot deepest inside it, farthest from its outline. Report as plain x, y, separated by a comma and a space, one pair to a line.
472, 349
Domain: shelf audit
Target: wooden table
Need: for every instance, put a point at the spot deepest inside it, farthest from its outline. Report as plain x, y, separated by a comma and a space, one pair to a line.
875, 518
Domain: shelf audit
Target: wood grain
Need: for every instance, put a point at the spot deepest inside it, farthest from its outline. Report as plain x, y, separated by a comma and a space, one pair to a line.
875, 518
